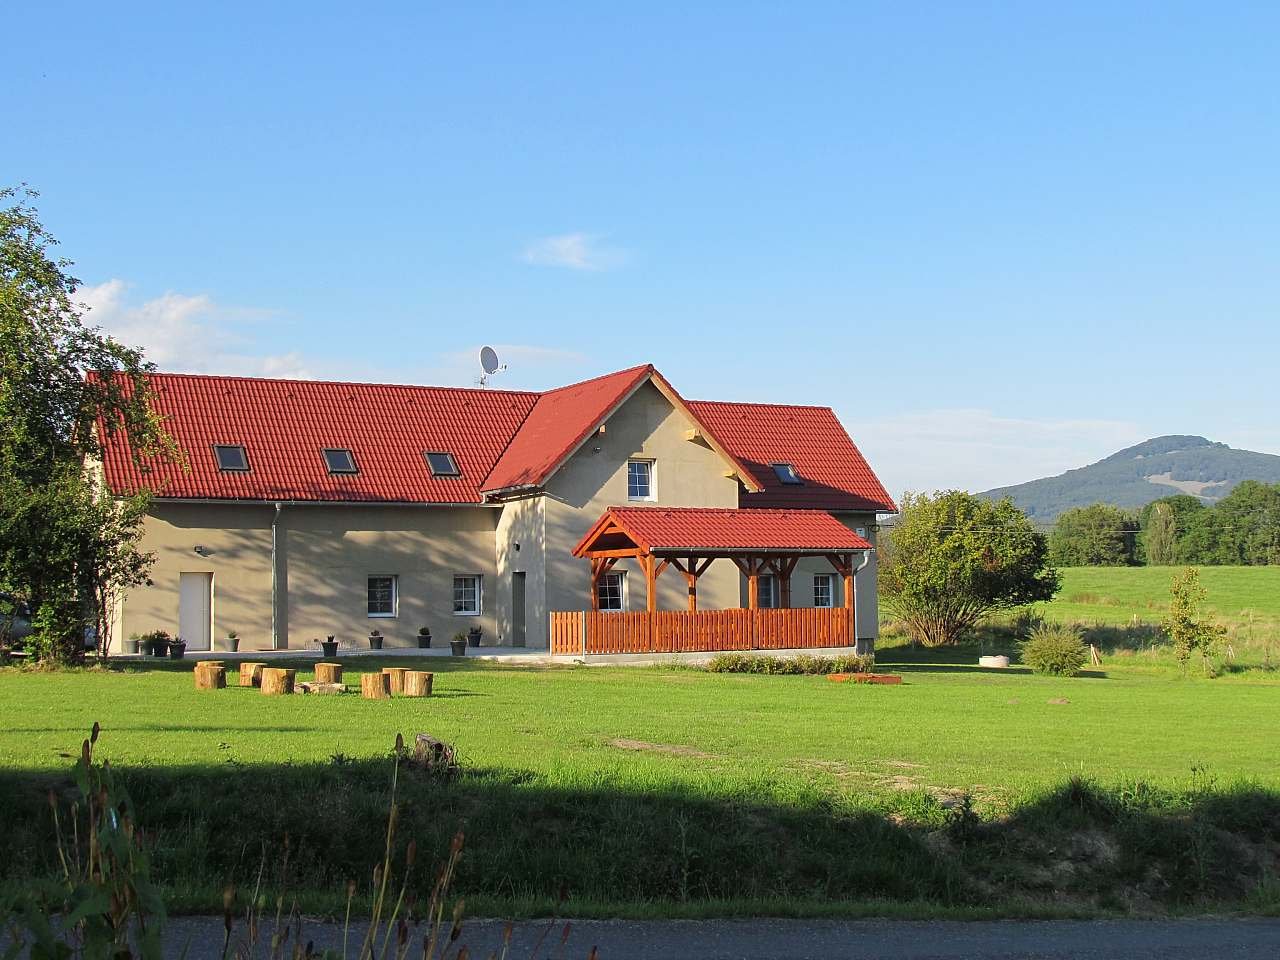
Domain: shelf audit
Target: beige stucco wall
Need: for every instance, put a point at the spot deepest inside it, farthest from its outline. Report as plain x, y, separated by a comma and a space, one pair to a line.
687, 473
521, 548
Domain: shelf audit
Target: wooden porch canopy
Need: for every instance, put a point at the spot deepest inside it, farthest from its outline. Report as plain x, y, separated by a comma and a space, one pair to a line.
759, 542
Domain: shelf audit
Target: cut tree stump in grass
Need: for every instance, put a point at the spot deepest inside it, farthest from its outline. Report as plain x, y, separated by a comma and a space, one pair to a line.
210, 675
316, 687
417, 683
887, 678
375, 686
396, 677
251, 674
328, 673
277, 681
434, 756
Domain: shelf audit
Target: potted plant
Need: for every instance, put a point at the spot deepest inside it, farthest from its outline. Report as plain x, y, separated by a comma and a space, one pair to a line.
177, 648
458, 645
474, 635
375, 640
328, 647
132, 644
155, 643
233, 641
424, 638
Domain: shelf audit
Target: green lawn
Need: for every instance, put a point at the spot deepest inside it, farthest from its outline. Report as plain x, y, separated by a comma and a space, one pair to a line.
665, 790
1118, 594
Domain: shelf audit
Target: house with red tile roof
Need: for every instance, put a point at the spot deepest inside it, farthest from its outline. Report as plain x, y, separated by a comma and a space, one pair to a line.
303, 509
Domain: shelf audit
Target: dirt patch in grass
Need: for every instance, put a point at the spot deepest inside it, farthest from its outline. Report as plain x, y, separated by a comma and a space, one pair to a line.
671, 749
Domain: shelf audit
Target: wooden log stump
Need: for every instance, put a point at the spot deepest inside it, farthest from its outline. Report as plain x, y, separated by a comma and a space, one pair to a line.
417, 683
316, 687
251, 674
396, 677
328, 673
277, 681
375, 686
210, 676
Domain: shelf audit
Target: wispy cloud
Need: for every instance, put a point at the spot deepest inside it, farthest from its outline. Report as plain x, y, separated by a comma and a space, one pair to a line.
973, 449
184, 333
574, 251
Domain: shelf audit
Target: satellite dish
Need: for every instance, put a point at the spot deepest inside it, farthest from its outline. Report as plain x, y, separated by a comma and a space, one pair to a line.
489, 360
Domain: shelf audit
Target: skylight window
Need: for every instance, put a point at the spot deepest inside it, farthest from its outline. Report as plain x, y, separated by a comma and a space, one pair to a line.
231, 457
786, 473
441, 464
339, 460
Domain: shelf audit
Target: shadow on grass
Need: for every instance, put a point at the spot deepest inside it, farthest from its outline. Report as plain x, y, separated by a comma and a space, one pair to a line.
907, 660
601, 839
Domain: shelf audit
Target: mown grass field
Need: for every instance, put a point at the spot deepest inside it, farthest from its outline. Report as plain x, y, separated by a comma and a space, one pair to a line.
1119, 594
668, 791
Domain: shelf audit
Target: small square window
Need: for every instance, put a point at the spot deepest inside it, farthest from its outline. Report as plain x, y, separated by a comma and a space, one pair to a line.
231, 457
339, 460
786, 472
611, 591
822, 594
768, 591
639, 479
441, 464
384, 595
466, 596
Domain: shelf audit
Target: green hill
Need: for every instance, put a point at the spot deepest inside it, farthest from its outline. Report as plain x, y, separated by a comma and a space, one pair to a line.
1140, 474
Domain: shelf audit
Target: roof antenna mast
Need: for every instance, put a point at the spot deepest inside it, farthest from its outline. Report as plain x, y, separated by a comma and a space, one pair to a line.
489, 364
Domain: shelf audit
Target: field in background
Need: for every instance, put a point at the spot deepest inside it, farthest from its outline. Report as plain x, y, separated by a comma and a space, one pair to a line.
1119, 594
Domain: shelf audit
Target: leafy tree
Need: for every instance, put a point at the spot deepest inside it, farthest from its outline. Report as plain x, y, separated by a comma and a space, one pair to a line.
1160, 534
1189, 630
1095, 536
64, 386
952, 558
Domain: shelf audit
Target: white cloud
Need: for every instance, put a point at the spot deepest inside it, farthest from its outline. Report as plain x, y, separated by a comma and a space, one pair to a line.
181, 333
971, 449
576, 251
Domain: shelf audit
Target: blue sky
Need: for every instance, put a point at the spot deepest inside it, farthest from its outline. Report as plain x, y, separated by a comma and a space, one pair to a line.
1001, 240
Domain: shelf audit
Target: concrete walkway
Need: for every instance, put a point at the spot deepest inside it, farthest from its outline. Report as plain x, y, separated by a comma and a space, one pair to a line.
817, 939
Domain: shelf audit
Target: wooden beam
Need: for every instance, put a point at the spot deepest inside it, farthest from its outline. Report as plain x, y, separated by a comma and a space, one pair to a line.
650, 581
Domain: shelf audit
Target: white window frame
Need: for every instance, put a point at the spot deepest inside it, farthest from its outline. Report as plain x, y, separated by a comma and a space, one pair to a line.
772, 581
653, 480
831, 590
395, 596
622, 591
479, 579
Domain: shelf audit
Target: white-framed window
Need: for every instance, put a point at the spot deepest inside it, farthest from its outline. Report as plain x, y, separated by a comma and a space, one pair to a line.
639, 479
611, 591
384, 595
769, 591
468, 596
823, 592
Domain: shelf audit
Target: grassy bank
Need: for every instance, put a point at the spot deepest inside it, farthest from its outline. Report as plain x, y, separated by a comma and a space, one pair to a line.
660, 791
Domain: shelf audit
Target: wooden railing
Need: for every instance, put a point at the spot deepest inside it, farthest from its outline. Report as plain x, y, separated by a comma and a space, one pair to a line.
700, 631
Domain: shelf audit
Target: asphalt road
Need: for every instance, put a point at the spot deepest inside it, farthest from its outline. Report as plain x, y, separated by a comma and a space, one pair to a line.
820, 939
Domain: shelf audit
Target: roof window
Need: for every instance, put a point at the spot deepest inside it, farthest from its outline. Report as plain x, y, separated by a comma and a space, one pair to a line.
441, 464
339, 460
231, 457
786, 473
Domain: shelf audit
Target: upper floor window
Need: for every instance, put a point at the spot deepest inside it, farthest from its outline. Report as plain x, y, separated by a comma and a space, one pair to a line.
786, 472
611, 591
768, 591
466, 596
383, 595
823, 595
639, 479
339, 461
442, 464
231, 457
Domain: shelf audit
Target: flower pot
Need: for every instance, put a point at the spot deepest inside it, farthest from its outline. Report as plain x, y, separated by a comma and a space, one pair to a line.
424, 640
474, 635
131, 646
375, 642
177, 650
158, 648
458, 648
329, 649
235, 644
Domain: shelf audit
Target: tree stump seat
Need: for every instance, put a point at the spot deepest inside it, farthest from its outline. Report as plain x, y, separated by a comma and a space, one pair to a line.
396, 677
277, 681
328, 672
251, 674
417, 683
210, 675
375, 686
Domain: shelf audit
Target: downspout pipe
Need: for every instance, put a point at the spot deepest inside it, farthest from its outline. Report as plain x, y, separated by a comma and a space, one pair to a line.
275, 584
860, 647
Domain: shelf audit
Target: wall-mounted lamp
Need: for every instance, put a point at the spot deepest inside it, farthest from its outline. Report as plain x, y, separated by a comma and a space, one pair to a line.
202, 550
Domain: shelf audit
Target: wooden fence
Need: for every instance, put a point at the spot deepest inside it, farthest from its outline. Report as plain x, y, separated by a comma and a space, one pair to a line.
699, 631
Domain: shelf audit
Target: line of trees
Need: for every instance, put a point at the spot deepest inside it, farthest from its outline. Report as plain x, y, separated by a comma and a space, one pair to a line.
1242, 529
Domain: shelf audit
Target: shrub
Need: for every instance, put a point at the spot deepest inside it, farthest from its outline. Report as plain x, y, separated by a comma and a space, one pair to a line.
803, 664
1055, 650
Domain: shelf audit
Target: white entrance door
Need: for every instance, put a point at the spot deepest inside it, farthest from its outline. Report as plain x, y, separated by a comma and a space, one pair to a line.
195, 596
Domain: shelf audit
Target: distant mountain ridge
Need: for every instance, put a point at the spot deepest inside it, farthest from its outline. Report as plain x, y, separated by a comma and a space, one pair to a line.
1137, 475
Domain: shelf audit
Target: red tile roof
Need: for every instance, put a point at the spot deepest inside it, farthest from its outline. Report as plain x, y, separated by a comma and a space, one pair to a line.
283, 424
835, 475
500, 440
660, 529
